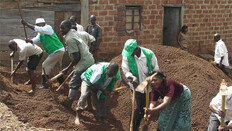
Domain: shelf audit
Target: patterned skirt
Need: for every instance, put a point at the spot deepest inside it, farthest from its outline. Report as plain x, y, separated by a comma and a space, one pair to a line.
177, 116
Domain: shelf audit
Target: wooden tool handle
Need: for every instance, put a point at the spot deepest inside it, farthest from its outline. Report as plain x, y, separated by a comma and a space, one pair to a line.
147, 99
120, 88
133, 110
55, 77
11, 67
64, 81
223, 109
21, 16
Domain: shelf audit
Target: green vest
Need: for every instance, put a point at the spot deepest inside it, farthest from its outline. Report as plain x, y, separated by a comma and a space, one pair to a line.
50, 42
88, 73
132, 64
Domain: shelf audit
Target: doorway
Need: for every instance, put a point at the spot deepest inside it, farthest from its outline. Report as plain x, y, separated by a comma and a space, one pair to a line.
171, 25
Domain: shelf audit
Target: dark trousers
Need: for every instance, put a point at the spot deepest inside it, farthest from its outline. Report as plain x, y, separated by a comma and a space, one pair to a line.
214, 123
140, 103
222, 67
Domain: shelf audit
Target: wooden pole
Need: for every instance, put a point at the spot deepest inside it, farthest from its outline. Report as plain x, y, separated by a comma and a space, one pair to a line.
133, 110
64, 81
223, 109
147, 99
11, 67
21, 15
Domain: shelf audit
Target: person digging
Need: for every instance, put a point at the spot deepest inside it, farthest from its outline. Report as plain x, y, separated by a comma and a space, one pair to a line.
29, 52
137, 64
175, 110
52, 46
100, 79
80, 57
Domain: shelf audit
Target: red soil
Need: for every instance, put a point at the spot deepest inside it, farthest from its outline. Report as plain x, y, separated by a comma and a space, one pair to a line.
44, 108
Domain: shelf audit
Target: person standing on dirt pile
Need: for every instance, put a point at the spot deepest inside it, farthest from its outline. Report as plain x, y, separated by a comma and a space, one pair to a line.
94, 30
217, 113
220, 54
52, 46
137, 64
100, 78
182, 38
73, 20
32, 53
175, 110
80, 56
86, 37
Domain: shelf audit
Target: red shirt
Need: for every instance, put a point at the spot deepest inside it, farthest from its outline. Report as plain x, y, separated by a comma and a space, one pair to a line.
168, 88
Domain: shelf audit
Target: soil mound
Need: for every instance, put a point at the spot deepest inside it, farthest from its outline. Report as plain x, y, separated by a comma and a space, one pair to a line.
200, 76
45, 109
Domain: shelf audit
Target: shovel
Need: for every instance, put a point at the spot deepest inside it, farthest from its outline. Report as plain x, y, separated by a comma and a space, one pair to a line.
224, 92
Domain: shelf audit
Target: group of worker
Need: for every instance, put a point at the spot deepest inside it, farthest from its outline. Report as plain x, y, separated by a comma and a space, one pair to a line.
98, 79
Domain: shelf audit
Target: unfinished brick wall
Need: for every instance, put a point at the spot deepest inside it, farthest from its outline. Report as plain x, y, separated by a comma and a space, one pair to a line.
203, 17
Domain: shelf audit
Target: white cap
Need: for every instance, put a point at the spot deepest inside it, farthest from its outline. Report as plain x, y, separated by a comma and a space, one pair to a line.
39, 20
216, 34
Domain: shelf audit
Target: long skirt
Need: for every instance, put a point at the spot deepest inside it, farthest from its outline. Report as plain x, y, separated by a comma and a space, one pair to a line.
177, 116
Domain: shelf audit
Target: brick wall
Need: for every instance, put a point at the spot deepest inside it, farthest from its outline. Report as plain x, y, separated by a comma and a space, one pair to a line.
203, 17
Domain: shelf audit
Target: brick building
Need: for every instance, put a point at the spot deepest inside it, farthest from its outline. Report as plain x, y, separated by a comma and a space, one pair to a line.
148, 21
160, 20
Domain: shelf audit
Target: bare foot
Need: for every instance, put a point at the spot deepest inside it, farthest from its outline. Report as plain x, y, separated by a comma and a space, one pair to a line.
31, 91
77, 120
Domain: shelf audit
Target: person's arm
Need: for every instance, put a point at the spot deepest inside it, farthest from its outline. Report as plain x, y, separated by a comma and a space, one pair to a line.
151, 106
90, 38
154, 63
221, 61
96, 88
75, 60
28, 24
163, 105
127, 73
35, 39
99, 37
178, 40
17, 67
214, 109
226, 127
47, 29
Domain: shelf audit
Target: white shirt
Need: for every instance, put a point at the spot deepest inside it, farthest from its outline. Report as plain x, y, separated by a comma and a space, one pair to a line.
27, 49
142, 67
79, 27
221, 51
47, 29
217, 102
86, 37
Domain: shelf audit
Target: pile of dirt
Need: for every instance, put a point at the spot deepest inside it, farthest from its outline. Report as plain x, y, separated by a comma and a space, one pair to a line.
44, 108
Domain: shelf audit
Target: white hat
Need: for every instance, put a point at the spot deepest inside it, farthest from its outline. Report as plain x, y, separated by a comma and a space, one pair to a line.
39, 20
216, 34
